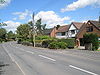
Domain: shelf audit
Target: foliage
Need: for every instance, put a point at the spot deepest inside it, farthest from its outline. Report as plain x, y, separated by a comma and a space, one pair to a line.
70, 42
62, 45
91, 38
3, 34
42, 37
39, 27
57, 45
46, 42
23, 31
53, 45
10, 35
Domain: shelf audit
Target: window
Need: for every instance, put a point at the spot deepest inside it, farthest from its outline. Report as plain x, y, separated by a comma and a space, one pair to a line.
73, 31
89, 29
63, 33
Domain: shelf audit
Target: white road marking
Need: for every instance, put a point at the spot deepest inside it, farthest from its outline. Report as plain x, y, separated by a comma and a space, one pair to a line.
83, 70
47, 57
30, 52
14, 60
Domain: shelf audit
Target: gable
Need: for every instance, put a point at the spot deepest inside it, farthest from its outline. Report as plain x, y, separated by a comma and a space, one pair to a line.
84, 28
72, 27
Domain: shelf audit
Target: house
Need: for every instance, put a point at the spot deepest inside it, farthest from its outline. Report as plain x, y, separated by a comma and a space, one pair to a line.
50, 32
89, 27
73, 29
61, 32
47, 31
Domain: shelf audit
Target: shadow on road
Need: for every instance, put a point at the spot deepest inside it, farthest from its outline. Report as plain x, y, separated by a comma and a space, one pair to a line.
1, 67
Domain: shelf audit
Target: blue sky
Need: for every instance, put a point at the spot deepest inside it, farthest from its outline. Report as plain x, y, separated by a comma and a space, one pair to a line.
52, 12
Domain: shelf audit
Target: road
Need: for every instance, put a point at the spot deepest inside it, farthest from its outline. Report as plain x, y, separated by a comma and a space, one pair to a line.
26, 60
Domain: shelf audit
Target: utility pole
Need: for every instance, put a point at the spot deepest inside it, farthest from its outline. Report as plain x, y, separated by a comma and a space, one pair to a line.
33, 28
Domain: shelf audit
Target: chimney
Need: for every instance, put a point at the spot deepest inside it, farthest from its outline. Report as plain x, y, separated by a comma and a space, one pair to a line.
99, 19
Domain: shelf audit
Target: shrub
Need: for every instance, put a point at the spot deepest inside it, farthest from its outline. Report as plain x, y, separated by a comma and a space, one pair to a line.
53, 45
46, 43
42, 37
62, 45
70, 42
57, 45
91, 38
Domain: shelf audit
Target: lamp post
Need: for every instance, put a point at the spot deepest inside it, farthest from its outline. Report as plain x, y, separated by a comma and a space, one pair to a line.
33, 29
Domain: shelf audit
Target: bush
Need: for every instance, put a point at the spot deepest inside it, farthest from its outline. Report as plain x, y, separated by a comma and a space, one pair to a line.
62, 45
91, 38
57, 45
53, 45
46, 43
70, 42
42, 37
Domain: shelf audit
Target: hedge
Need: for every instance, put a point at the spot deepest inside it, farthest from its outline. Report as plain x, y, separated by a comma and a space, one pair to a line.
91, 38
70, 42
57, 45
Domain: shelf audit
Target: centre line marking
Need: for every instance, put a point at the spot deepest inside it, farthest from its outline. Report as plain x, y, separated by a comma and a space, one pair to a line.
83, 70
30, 52
47, 57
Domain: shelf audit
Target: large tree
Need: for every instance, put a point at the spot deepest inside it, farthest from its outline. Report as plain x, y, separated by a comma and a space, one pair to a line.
23, 31
10, 35
40, 27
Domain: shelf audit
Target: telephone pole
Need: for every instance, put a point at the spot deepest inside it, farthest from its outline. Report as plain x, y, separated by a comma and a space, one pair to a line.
33, 28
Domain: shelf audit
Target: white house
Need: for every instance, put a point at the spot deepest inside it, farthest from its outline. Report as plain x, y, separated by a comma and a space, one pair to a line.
73, 29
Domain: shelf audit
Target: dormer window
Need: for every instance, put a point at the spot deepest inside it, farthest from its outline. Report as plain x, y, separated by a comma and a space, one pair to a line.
89, 29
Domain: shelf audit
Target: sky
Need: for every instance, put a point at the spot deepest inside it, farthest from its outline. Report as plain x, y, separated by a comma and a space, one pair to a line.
52, 12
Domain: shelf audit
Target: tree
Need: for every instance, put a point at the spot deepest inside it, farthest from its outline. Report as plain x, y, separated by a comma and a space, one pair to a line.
2, 24
23, 31
2, 34
10, 35
40, 27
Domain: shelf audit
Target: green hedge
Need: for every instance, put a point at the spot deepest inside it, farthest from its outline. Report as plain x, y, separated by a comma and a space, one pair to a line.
42, 37
91, 38
46, 43
70, 42
57, 45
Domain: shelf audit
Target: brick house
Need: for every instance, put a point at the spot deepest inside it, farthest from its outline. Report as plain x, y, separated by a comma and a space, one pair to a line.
62, 32
89, 27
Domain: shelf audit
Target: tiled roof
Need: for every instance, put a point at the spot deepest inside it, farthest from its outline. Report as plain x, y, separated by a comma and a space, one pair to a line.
78, 24
63, 28
96, 23
47, 31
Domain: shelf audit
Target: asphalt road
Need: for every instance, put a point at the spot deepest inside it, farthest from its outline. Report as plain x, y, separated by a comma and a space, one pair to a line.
25, 60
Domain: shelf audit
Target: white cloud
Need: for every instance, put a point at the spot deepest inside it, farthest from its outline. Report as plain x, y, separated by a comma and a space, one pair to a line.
14, 19
80, 4
22, 15
4, 3
11, 25
51, 18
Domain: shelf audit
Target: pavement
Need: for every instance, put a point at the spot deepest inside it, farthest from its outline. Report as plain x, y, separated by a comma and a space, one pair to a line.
26, 60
